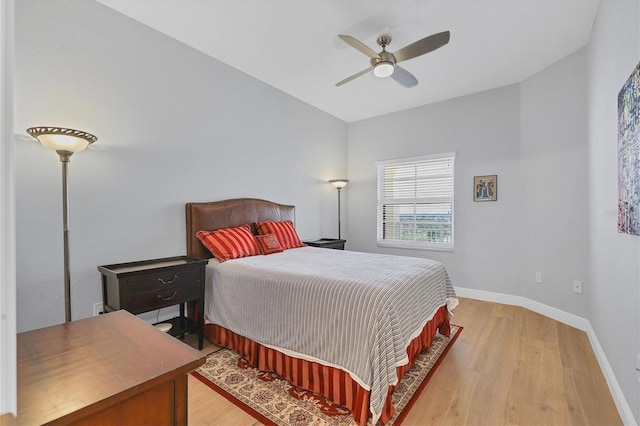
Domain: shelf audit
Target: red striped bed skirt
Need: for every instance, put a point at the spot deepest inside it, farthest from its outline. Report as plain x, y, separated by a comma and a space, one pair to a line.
330, 382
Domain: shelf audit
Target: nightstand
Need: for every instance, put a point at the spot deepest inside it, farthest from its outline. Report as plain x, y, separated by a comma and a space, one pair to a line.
153, 284
330, 243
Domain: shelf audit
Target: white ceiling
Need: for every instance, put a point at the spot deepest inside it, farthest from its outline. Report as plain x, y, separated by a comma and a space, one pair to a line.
293, 45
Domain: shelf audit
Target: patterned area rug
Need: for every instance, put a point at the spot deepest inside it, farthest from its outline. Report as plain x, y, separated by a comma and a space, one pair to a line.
273, 400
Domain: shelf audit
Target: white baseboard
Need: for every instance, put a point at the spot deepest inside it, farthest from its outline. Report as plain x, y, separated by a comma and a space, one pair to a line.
566, 318
623, 408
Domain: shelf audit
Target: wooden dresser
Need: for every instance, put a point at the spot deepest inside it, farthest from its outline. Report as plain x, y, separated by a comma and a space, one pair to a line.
113, 369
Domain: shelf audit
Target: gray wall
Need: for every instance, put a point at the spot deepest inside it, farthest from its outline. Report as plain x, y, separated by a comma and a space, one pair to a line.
533, 136
554, 175
484, 131
173, 125
614, 293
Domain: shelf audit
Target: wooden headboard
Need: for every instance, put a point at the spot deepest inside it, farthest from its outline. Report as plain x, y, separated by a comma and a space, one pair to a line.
227, 214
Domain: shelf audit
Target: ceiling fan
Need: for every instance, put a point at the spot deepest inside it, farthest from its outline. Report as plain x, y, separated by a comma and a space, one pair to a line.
384, 64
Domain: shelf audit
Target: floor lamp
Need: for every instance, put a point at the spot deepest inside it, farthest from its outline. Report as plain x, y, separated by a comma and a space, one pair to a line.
65, 142
339, 184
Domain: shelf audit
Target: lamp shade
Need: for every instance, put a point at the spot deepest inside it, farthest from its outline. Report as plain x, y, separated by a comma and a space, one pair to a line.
339, 183
383, 69
62, 139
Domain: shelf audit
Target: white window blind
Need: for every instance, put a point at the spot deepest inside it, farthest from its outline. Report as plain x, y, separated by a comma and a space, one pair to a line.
415, 202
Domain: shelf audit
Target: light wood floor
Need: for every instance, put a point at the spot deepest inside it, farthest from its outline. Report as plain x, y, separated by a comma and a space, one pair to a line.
509, 366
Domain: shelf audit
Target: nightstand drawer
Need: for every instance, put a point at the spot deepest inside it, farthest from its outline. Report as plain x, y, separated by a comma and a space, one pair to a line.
161, 281
160, 299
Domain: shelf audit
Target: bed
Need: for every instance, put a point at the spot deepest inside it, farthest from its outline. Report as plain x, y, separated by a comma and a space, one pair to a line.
346, 325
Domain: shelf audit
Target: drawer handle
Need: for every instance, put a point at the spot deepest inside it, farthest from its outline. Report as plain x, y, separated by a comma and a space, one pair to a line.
168, 298
175, 277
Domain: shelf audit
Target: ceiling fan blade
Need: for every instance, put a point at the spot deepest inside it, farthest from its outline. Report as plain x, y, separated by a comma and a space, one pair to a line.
422, 46
353, 77
403, 77
359, 46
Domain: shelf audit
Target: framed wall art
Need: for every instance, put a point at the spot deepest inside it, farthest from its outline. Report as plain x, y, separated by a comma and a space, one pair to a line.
629, 155
485, 188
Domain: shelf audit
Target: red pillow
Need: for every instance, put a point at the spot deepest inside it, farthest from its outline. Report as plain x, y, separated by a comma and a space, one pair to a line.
229, 243
284, 232
268, 244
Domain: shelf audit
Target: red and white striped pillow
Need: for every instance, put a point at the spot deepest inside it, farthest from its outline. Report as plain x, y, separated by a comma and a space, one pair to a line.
229, 243
284, 232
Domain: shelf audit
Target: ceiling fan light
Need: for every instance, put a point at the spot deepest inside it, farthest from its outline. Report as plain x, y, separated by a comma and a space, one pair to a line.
383, 69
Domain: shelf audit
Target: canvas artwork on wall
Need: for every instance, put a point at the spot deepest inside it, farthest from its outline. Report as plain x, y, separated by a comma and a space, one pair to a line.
629, 155
485, 188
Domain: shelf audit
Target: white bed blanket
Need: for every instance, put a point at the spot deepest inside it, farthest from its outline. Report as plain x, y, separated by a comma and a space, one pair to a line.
351, 310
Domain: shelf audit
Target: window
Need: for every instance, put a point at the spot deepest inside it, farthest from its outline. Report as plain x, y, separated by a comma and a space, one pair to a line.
415, 202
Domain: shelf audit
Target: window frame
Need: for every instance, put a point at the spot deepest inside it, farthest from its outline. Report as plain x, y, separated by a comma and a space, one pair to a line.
381, 202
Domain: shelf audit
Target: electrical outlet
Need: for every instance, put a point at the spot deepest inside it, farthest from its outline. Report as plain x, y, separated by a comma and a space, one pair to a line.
538, 277
97, 309
577, 286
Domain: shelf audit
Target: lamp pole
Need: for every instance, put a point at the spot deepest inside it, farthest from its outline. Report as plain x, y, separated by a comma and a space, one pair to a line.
64, 159
339, 190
